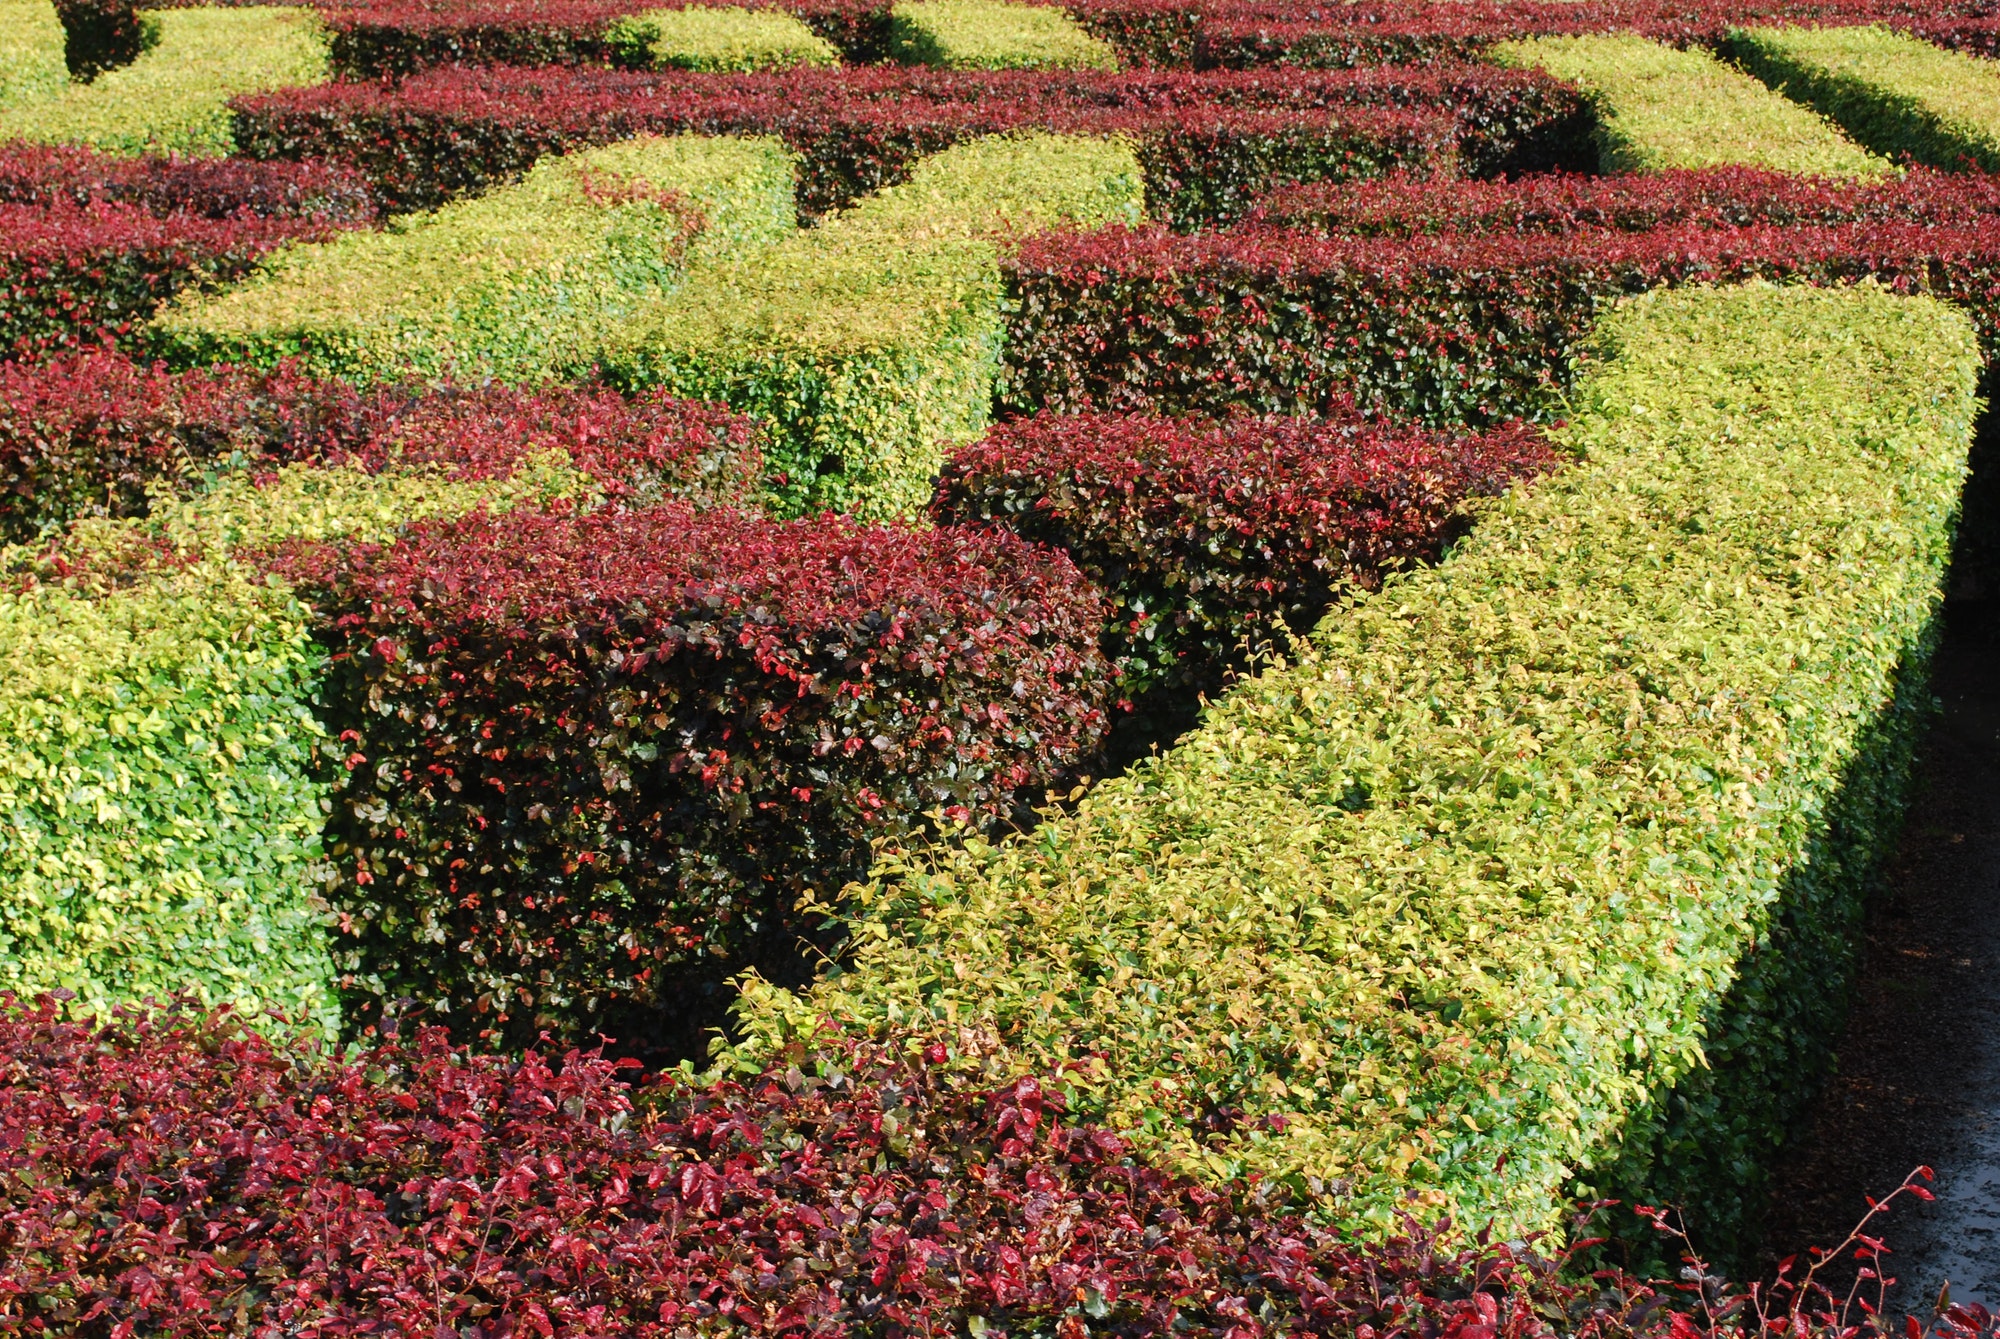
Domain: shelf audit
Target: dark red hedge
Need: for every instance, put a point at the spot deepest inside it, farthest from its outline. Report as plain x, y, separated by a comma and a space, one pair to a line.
1212, 536
99, 35
592, 761
87, 434
1209, 142
213, 188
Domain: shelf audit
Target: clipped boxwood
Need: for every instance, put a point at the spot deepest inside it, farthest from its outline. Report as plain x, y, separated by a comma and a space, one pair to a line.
870, 344
994, 35
1456, 905
1898, 95
32, 68
517, 284
721, 39
174, 98
1661, 107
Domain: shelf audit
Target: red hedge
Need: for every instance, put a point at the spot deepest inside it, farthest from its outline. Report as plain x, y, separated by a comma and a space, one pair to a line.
593, 761
214, 188
1210, 535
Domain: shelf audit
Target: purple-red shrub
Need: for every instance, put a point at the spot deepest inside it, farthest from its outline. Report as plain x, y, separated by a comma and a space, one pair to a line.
213, 188
592, 761
99, 35
1210, 536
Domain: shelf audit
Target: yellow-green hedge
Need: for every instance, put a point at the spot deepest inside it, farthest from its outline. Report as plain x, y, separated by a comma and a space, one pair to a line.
1449, 905
32, 69
720, 39
994, 35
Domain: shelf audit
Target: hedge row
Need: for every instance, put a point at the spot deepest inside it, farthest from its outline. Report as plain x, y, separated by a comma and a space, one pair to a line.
1213, 541
1457, 904
212, 188
870, 344
994, 35
1902, 97
31, 54
1209, 142
174, 98
1659, 107
719, 40
520, 284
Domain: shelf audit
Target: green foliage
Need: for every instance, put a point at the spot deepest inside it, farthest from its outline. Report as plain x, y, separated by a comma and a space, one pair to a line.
719, 39
994, 35
1447, 905
1898, 95
32, 69
515, 284
870, 343
1659, 107
174, 97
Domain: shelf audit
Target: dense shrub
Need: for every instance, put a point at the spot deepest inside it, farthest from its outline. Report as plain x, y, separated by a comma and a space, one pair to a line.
31, 54
215, 188
719, 40
99, 35
1210, 536
994, 35
592, 760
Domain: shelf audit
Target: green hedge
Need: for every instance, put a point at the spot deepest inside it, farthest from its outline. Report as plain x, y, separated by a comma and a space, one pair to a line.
174, 97
160, 803
719, 39
870, 343
994, 35
516, 284
1449, 904
1896, 94
32, 68
1658, 108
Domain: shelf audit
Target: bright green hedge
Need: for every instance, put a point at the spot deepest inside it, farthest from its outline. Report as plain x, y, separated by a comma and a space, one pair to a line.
720, 39
32, 69
516, 284
870, 343
160, 796
174, 97
1658, 108
994, 35
1448, 904
1898, 95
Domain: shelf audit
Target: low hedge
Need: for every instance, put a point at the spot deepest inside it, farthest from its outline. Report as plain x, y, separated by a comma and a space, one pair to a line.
1465, 899
1658, 107
1213, 541
594, 761
721, 39
100, 35
1900, 96
519, 284
994, 35
870, 343
32, 70
175, 97
210, 188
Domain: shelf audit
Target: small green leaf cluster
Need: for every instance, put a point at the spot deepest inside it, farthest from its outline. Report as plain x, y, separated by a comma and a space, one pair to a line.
1898, 95
718, 39
175, 97
1450, 905
994, 35
32, 68
870, 344
517, 284
1659, 107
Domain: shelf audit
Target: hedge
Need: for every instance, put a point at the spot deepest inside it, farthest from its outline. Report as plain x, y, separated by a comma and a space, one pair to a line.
174, 97
725, 38
1901, 97
31, 54
100, 35
994, 35
1214, 541
1457, 904
870, 343
519, 284
1659, 107
210, 188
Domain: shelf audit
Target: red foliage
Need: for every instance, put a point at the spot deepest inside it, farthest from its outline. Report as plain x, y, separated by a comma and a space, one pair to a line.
1210, 535
593, 760
214, 188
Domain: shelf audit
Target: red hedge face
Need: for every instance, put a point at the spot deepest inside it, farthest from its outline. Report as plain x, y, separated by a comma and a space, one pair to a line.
211, 188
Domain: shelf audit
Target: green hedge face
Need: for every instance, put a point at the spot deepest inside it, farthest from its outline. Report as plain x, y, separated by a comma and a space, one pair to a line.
517, 284
871, 342
1448, 904
1900, 96
994, 35
32, 68
719, 40
174, 98
1659, 108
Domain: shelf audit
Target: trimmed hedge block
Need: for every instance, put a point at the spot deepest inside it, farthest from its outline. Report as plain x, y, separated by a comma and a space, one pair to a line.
174, 98
519, 284
994, 35
1900, 96
870, 344
1659, 107
32, 66
718, 39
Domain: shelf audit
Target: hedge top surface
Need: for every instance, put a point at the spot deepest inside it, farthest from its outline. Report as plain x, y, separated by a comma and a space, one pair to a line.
32, 69
1659, 107
995, 35
722, 39
1461, 882
174, 97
